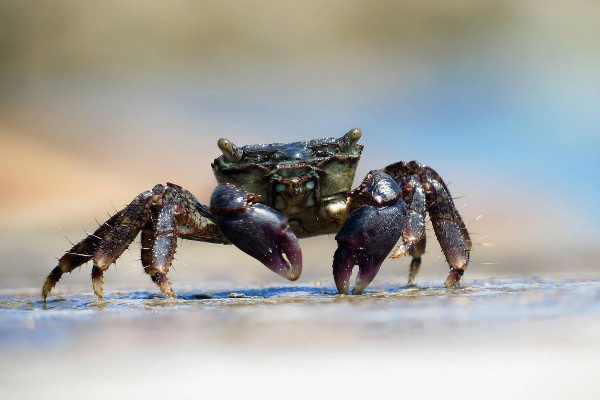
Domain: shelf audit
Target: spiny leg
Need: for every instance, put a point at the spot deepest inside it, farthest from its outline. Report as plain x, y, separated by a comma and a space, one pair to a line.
107, 243
79, 254
413, 194
413, 234
111, 248
159, 277
163, 244
98, 245
119, 237
449, 228
163, 213
181, 216
456, 218
448, 225
147, 239
415, 264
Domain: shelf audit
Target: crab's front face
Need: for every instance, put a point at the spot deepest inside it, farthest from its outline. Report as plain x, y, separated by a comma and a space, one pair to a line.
298, 179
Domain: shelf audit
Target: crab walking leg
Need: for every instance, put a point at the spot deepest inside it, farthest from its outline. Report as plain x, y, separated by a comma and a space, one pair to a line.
456, 216
194, 221
162, 214
414, 228
164, 246
79, 254
448, 226
119, 237
147, 241
110, 238
257, 230
375, 224
413, 234
415, 264
182, 216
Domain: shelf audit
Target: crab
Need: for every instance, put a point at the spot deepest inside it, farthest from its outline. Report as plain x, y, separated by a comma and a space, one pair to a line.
269, 196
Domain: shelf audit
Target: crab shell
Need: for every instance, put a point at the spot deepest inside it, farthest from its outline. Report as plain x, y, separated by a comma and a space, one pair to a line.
308, 181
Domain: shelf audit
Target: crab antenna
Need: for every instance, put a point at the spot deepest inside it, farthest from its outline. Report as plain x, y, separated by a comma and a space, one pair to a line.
230, 150
349, 139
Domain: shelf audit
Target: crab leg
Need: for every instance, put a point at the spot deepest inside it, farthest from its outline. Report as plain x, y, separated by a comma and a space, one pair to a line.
414, 229
257, 230
182, 215
413, 234
119, 237
369, 234
448, 225
163, 244
449, 228
415, 264
163, 214
106, 244
79, 254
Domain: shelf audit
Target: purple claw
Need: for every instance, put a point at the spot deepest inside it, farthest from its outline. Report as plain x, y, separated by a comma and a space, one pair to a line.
370, 233
366, 239
257, 230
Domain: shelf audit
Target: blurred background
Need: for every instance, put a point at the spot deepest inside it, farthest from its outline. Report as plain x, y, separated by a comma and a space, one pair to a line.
102, 100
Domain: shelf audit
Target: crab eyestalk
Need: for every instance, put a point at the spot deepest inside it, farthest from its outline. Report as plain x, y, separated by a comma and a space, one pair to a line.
230, 150
347, 141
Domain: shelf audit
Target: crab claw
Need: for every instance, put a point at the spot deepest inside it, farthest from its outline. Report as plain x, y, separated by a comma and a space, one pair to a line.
370, 233
257, 230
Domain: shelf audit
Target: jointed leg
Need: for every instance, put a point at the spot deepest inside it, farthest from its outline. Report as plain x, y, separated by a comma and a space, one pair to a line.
79, 254
448, 225
415, 264
158, 247
162, 213
182, 215
119, 237
413, 235
169, 212
414, 227
106, 243
449, 228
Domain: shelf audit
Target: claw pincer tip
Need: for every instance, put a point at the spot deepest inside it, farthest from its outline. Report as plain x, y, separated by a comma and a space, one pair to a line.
371, 231
257, 230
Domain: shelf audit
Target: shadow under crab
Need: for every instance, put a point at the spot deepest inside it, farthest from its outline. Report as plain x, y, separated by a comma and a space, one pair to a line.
268, 196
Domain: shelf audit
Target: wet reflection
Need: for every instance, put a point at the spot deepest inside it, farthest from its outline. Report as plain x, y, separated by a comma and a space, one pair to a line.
226, 314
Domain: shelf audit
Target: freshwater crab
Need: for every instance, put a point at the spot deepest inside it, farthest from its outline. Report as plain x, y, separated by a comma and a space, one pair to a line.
271, 194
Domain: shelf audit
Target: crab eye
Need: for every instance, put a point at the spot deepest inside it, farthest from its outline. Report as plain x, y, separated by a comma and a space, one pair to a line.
310, 185
355, 134
347, 141
230, 150
224, 144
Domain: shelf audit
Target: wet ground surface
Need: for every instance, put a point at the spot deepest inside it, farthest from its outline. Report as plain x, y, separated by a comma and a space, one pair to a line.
492, 330
478, 301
